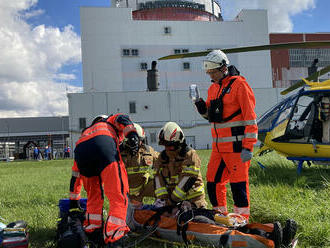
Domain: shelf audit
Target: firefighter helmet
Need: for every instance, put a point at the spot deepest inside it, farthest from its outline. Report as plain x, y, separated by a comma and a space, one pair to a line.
140, 131
171, 134
215, 59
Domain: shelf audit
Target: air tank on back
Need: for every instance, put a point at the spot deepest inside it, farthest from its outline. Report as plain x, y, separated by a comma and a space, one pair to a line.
153, 77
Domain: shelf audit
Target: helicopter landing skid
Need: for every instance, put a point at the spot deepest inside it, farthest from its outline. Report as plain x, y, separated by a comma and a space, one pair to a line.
301, 160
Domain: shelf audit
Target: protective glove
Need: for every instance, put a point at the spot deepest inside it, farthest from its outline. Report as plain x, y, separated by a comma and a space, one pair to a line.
74, 209
159, 203
246, 155
201, 106
133, 142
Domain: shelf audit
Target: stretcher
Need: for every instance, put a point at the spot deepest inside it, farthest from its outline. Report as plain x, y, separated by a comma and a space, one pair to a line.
206, 228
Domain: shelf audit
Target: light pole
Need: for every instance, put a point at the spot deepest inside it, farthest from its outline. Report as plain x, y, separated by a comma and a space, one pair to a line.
7, 150
63, 140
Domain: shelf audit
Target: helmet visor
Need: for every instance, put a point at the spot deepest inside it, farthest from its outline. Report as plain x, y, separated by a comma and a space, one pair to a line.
208, 65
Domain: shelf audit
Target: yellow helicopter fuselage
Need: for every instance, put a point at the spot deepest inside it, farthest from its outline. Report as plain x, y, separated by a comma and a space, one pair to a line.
292, 149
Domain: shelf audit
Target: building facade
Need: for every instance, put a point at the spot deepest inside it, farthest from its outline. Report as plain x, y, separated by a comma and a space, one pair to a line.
120, 43
18, 136
289, 65
117, 50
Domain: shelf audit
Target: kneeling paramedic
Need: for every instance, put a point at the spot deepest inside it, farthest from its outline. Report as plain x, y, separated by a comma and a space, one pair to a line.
98, 165
230, 110
178, 177
139, 167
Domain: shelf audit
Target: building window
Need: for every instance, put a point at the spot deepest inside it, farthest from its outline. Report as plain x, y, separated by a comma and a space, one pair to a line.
143, 66
305, 57
167, 30
186, 66
132, 107
82, 123
126, 52
153, 138
177, 51
135, 52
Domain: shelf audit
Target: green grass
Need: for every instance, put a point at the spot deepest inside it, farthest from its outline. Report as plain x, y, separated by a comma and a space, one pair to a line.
30, 191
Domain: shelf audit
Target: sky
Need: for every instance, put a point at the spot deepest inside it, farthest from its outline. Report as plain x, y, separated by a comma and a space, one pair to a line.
40, 50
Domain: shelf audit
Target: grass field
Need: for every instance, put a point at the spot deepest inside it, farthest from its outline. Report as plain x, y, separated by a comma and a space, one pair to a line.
30, 191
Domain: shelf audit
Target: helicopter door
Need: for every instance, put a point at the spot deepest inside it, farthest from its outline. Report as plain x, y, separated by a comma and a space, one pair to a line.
304, 124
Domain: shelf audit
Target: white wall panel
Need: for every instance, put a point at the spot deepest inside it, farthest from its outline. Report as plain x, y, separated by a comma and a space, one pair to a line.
106, 31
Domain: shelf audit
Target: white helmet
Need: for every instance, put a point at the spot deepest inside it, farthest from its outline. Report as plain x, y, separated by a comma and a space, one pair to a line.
171, 133
215, 59
140, 131
99, 118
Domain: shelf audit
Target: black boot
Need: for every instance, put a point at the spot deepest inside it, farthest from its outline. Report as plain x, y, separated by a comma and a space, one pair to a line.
289, 231
277, 234
96, 237
122, 242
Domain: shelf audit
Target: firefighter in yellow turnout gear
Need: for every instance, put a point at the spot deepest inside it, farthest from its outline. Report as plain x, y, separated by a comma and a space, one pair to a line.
178, 176
139, 167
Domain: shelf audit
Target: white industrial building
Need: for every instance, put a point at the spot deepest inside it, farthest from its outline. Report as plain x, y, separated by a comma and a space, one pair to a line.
119, 44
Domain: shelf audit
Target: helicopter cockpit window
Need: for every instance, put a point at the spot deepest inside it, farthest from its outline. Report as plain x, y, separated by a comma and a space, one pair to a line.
301, 113
276, 115
305, 125
285, 113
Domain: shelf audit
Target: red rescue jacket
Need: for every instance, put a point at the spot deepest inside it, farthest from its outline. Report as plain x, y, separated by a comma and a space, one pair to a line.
232, 116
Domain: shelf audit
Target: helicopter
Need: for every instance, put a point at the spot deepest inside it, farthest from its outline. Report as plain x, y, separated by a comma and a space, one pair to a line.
298, 127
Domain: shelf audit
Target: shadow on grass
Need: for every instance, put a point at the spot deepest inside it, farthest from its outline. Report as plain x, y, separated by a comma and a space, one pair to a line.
42, 237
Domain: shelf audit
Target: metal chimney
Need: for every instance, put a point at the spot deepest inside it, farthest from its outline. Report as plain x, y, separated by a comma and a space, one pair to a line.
153, 77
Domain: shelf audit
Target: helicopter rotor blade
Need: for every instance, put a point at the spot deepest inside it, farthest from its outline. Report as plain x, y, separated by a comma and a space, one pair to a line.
310, 78
252, 49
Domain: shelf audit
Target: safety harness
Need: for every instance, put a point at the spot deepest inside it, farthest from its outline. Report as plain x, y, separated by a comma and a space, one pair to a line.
215, 111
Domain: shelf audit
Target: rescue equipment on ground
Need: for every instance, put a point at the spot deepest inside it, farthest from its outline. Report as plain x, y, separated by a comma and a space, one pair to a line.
208, 227
14, 235
188, 225
230, 220
70, 233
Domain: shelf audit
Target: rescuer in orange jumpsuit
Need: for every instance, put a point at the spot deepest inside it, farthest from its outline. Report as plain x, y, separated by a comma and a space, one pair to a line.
98, 165
230, 110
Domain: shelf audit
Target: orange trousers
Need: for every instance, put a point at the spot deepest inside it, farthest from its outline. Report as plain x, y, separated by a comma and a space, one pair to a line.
113, 181
223, 168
